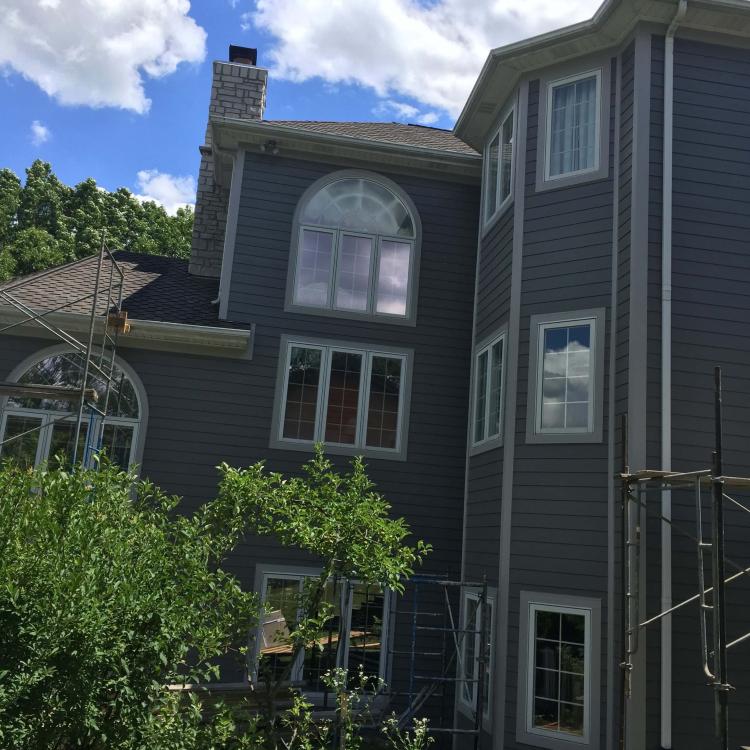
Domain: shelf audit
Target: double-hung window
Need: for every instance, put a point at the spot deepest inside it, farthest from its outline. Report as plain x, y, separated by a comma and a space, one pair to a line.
573, 109
352, 639
565, 377
487, 409
347, 397
355, 253
476, 638
558, 667
498, 171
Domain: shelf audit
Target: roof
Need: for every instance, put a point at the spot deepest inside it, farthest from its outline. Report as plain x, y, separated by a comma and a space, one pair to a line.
608, 28
155, 288
416, 136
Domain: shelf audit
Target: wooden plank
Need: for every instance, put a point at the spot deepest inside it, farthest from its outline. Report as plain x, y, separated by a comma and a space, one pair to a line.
62, 392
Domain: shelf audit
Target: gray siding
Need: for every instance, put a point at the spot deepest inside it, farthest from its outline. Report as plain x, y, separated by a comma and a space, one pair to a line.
711, 313
559, 534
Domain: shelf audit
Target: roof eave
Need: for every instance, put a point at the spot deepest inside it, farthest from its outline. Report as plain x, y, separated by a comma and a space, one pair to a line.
231, 133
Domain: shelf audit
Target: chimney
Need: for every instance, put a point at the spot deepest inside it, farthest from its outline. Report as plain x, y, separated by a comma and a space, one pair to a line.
238, 89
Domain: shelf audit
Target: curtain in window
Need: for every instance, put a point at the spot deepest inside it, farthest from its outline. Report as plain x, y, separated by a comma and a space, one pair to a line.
573, 127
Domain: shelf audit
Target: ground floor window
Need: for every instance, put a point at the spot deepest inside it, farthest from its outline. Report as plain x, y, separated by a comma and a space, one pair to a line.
558, 670
476, 620
355, 637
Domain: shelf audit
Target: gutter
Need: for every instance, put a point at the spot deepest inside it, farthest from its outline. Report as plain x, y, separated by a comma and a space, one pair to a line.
666, 375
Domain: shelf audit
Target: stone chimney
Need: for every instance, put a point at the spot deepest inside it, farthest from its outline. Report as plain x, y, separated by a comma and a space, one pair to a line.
238, 89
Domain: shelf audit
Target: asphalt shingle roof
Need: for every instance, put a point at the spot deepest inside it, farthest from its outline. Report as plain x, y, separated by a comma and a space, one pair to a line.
155, 288
386, 132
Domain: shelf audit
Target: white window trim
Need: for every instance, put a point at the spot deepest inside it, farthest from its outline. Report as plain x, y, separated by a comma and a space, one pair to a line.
526, 733
596, 363
409, 318
326, 346
469, 707
551, 85
489, 441
342, 654
543, 328
500, 204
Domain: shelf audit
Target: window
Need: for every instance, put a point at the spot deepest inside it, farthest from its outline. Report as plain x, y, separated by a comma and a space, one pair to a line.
559, 670
44, 428
499, 167
573, 123
344, 396
360, 615
566, 378
487, 412
355, 250
471, 638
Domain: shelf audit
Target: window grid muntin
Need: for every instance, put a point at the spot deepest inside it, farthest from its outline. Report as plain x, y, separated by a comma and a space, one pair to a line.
299, 266
496, 176
534, 609
341, 655
338, 270
323, 387
383, 412
597, 124
360, 395
543, 328
482, 404
285, 395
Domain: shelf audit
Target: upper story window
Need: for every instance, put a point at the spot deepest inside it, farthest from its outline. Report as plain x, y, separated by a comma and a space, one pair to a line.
573, 124
355, 250
487, 404
566, 377
350, 397
498, 170
39, 430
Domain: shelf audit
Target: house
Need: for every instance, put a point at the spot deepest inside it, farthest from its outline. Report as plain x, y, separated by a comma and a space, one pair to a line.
473, 311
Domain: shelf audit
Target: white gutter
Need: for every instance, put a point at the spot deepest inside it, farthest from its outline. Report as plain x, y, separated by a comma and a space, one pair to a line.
666, 377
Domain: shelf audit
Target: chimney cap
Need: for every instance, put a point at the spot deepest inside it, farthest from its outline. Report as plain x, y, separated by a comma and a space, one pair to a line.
243, 55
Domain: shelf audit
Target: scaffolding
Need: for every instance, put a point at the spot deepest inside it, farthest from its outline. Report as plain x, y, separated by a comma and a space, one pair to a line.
437, 654
88, 400
711, 584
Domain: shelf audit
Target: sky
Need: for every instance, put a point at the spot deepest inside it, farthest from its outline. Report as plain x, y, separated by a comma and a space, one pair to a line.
118, 90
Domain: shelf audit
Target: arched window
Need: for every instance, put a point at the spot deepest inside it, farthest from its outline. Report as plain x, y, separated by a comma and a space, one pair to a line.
44, 428
356, 248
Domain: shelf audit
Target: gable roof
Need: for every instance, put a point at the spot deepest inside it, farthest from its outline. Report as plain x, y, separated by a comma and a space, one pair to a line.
419, 136
608, 28
155, 288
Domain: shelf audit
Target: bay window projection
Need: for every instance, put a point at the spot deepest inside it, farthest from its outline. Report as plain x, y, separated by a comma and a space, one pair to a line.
353, 639
499, 167
355, 252
488, 391
49, 424
343, 397
573, 106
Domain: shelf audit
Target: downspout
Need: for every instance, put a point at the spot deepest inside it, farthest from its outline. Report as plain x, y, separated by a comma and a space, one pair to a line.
666, 376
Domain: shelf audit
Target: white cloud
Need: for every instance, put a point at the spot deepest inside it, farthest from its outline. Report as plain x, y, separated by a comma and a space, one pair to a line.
430, 52
39, 133
405, 112
168, 190
96, 52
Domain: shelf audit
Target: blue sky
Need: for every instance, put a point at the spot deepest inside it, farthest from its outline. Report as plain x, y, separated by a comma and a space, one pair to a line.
329, 59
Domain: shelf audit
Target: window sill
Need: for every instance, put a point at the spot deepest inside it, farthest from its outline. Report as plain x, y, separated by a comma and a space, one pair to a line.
339, 450
406, 320
564, 437
578, 178
497, 216
486, 446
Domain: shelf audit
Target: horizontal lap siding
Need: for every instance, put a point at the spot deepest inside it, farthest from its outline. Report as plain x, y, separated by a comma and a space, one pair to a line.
711, 326
559, 534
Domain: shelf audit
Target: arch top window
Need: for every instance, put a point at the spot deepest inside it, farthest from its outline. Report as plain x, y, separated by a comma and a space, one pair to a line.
45, 427
355, 251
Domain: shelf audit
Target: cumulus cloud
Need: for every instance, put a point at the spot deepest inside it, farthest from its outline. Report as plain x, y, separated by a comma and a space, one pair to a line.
168, 190
40, 133
430, 52
94, 53
405, 112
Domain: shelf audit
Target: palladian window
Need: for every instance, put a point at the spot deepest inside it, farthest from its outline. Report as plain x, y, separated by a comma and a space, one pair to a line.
34, 430
355, 251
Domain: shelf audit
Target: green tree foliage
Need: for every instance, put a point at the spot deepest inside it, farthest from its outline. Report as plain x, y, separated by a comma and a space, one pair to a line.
44, 223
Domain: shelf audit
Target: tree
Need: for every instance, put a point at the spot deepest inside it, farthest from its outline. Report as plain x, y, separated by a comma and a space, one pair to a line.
10, 197
106, 596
